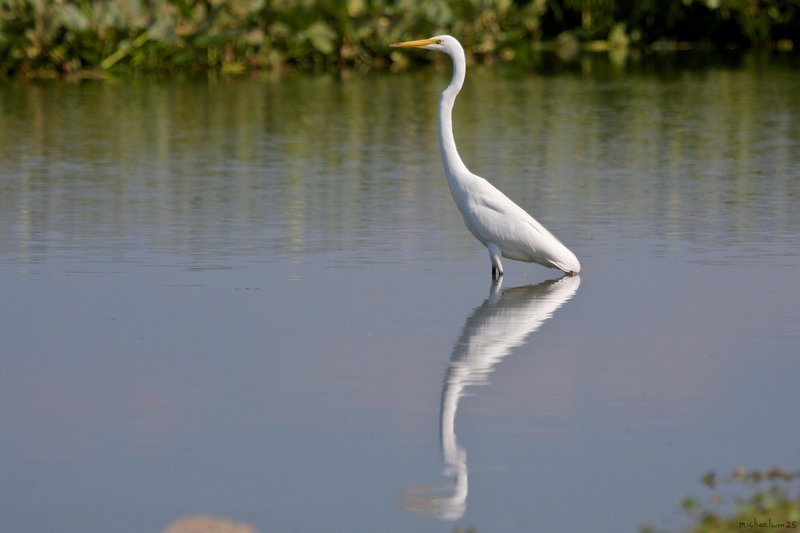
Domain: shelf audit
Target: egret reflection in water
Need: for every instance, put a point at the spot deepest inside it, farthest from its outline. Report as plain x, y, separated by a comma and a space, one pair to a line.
502, 322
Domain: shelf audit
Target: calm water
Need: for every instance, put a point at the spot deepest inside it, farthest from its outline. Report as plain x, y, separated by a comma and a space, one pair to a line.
256, 299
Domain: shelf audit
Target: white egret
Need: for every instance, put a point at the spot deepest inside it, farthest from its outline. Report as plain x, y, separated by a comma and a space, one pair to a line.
498, 223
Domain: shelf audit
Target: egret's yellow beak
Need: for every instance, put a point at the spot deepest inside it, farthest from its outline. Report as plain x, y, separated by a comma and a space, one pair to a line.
415, 44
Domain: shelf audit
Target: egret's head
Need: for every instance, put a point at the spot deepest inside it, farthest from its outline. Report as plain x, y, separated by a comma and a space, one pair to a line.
440, 43
450, 46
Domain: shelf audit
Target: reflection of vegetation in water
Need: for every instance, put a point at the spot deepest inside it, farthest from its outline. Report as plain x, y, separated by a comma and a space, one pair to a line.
774, 506
704, 154
236, 35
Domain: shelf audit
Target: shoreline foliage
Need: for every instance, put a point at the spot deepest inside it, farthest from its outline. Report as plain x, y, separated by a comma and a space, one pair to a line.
64, 37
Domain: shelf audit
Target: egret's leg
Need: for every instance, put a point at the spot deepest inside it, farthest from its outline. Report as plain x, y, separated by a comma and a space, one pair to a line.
494, 257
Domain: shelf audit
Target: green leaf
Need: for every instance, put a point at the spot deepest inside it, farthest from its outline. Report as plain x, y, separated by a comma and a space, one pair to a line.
72, 18
321, 37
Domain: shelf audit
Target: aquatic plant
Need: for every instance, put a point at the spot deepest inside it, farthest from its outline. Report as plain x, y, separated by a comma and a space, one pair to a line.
43, 37
773, 503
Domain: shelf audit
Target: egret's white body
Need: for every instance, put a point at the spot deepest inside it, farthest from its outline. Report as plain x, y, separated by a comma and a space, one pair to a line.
498, 223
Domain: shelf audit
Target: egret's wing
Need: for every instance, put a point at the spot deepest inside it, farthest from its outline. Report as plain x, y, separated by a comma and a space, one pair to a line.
494, 217
502, 219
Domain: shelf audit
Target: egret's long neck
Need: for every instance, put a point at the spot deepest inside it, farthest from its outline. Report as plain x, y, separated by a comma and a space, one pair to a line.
453, 165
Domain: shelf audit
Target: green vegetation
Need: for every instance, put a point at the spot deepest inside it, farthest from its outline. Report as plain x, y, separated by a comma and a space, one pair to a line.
773, 506
48, 38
